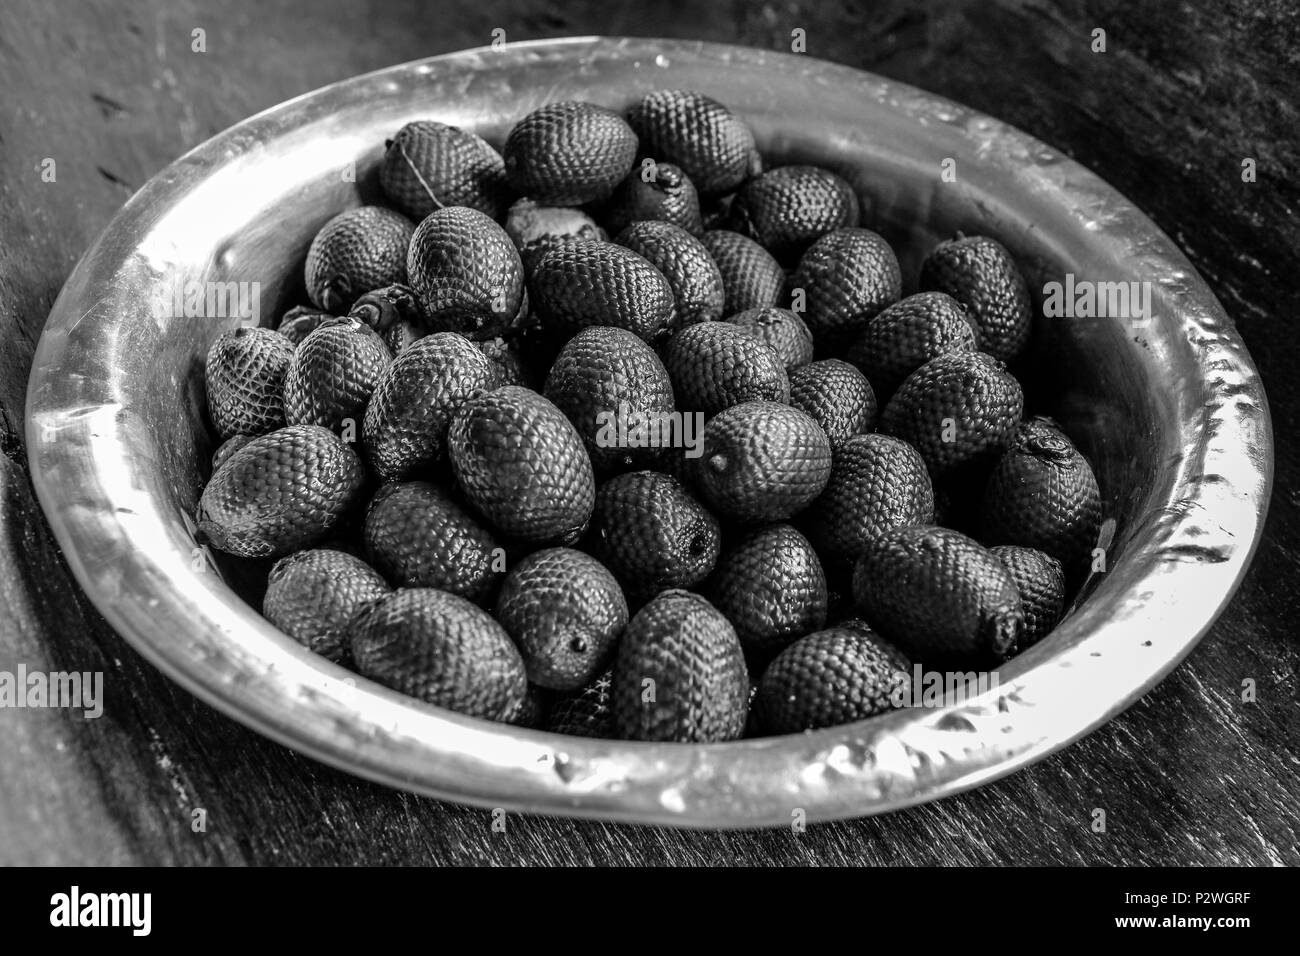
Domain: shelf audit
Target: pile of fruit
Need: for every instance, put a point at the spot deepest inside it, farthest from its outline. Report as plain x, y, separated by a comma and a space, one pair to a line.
621, 433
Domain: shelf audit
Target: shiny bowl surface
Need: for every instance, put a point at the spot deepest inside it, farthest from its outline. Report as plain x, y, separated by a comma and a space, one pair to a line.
1170, 411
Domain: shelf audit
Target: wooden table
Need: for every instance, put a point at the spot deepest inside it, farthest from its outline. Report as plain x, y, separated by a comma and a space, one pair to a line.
113, 91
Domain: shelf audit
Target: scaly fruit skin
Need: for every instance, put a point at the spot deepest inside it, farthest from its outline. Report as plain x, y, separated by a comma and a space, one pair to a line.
606, 381
836, 676
772, 589
280, 493
907, 334
534, 710
762, 461
715, 365
700, 689
940, 596
565, 611
837, 397
960, 411
1041, 582
313, 596
418, 537
570, 153
404, 430
429, 165
441, 649
356, 251
691, 272
782, 330
877, 484
668, 197
228, 448
583, 283
522, 465
333, 374
467, 273
751, 277
980, 274
699, 135
788, 208
535, 228
300, 321
1042, 494
652, 534
585, 713
244, 373
395, 313
848, 276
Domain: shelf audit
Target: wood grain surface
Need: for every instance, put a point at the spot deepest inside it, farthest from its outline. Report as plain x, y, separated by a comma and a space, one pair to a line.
112, 91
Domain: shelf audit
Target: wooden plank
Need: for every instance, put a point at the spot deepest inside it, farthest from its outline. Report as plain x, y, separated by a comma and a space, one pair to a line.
113, 91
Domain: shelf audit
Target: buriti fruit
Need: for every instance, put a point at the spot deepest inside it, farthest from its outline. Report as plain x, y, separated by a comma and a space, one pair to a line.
554, 387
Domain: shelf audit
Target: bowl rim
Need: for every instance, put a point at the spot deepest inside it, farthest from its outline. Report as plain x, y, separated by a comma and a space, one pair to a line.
238, 663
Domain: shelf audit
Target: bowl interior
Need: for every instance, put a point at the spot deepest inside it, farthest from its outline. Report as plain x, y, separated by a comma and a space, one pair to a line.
120, 443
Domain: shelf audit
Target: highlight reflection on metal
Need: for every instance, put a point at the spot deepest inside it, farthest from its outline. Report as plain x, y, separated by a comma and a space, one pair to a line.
1173, 415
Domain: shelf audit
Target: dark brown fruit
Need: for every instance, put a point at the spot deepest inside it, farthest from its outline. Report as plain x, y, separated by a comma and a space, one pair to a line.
522, 465
714, 365
535, 229
333, 374
1042, 494
535, 709
698, 134
837, 397
908, 334
980, 274
280, 493
565, 611
313, 596
940, 596
788, 208
404, 431
356, 251
690, 270
570, 153
429, 165
751, 277
771, 588
395, 312
833, 677
418, 537
783, 330
467, 273
245, 372
583, 283
762, 461
300, 321
441, 649
1041, 583
680, 674
847, 276
617, 394
960, 411
585, 713
653, 534
877, 484
658, 192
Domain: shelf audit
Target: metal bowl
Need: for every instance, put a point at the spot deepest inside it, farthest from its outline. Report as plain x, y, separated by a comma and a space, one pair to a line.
1172, 415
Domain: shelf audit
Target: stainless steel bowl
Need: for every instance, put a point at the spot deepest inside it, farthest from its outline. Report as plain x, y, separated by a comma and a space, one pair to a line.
1173, 416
